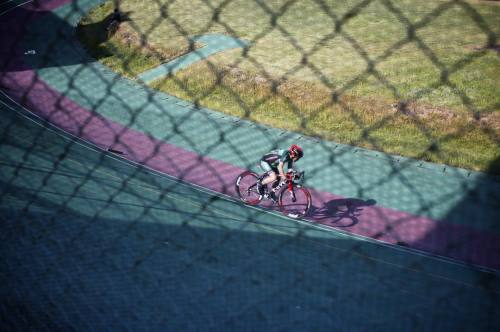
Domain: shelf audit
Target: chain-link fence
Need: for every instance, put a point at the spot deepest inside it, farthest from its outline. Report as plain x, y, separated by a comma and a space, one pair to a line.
125, 125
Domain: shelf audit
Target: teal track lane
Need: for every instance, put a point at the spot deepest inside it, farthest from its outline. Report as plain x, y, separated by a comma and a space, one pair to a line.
212, 44
90, 241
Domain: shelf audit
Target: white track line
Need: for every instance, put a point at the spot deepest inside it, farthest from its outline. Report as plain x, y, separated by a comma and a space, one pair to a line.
11, 9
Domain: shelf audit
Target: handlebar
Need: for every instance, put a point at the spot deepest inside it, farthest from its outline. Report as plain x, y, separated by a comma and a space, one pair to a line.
295, 176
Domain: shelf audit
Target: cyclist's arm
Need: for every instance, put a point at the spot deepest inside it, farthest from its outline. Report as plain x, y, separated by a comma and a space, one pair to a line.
280, 170
284, 159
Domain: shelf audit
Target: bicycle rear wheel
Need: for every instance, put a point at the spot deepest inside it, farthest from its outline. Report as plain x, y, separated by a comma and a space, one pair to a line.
246, 187
295, 203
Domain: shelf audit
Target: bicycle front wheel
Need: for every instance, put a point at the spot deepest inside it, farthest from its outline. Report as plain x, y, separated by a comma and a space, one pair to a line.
295, 203
246, 187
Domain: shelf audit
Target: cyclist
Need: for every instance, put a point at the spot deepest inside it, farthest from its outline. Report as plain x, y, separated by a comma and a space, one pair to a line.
273, 163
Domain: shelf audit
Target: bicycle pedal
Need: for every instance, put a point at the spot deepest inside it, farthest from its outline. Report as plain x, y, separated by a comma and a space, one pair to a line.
271, 197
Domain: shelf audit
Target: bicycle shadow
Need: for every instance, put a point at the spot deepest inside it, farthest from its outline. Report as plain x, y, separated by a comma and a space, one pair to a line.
342, 212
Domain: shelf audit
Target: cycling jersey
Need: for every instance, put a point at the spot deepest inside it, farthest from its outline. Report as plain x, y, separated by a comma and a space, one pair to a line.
274, 157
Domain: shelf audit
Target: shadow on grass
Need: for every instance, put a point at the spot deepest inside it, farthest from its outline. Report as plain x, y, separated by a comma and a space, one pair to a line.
96, 34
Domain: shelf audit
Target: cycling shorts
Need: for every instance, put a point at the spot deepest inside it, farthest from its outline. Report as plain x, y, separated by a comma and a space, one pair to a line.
267, 168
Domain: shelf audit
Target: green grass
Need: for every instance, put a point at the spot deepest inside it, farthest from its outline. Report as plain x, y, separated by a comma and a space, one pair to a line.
364, 52
126, 51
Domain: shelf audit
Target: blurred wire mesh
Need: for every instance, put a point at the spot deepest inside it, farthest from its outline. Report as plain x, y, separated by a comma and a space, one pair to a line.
125, 124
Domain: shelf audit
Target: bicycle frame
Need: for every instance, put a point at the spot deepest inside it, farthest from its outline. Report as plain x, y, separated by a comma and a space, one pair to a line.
292, 184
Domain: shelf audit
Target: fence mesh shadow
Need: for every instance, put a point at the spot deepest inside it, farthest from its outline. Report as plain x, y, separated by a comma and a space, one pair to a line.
125, 125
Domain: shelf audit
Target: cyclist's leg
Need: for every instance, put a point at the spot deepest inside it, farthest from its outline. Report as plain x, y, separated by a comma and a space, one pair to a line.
271, 173
270, 178
266, 177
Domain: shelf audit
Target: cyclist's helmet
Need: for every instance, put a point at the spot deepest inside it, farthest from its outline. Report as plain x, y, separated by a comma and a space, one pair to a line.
296, 151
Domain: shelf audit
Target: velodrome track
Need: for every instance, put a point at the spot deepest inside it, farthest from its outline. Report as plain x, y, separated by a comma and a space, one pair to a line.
415, 204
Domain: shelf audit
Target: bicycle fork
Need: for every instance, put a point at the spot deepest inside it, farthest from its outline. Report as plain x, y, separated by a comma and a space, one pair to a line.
292, 192
289, 189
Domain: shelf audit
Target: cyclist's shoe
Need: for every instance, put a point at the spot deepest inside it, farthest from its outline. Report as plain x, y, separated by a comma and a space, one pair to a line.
261, 189
271, 196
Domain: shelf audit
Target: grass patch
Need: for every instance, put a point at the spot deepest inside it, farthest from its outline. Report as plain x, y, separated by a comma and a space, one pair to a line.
127, 51
412, 130
407, 77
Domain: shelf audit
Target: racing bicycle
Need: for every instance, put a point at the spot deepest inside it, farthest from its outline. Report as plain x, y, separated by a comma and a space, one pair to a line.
292, 198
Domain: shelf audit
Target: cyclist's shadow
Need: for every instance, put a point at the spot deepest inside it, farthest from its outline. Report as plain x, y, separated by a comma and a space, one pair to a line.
340, 212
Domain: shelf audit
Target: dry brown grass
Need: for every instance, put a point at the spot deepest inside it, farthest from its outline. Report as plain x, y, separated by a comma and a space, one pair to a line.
309, 98
127, 35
